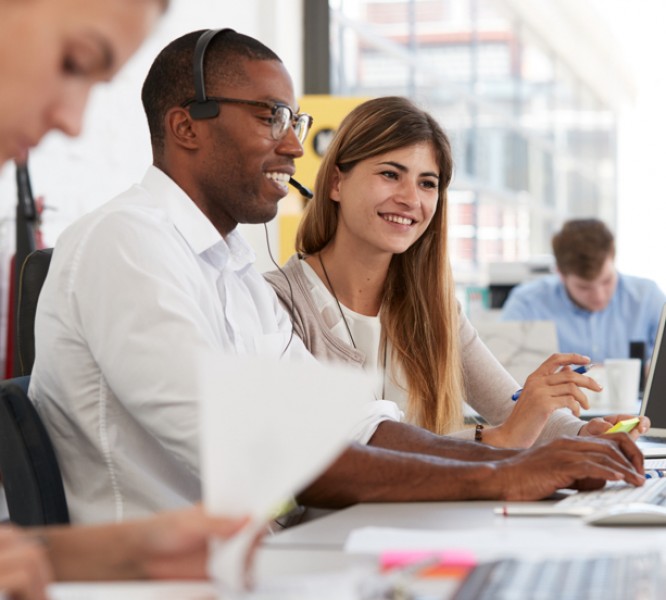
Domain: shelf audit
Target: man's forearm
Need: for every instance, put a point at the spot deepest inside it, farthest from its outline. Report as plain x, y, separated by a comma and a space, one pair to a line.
407, 438
369, 474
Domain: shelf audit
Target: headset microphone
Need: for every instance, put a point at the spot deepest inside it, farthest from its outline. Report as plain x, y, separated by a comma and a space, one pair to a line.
305, 192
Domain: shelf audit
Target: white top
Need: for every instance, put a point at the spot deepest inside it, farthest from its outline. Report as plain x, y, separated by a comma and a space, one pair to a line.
141, 293
366, 331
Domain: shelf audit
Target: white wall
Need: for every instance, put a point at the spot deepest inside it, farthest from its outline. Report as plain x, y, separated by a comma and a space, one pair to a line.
76, 175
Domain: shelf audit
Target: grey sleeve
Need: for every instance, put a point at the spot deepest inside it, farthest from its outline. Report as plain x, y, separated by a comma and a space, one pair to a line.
489, 387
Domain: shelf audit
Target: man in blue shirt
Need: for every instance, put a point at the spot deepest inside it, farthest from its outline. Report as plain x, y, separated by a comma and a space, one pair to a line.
598, 311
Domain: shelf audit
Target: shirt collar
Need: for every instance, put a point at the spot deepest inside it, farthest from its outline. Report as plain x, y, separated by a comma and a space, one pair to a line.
195, 227
232, 253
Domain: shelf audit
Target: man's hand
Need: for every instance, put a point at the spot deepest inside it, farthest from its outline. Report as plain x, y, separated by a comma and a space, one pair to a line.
24, 569
578, 463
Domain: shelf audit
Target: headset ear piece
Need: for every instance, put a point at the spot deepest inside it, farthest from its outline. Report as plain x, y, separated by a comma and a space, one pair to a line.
204, 110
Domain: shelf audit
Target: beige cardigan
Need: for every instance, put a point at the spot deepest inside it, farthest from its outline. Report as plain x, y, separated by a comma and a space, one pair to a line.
488, 386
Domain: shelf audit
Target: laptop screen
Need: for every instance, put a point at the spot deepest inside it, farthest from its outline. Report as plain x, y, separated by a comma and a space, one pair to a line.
654, 398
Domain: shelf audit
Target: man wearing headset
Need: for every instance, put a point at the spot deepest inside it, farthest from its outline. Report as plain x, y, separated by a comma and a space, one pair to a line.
178, 287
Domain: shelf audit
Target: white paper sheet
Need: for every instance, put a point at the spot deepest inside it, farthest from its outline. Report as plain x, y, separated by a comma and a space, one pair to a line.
273, 428
144, 590
340, 585
499, 542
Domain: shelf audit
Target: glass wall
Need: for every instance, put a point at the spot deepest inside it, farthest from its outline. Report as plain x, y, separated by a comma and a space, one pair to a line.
533, 143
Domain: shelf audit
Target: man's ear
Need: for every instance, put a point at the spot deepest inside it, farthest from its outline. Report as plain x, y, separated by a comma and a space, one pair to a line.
334, 194
178, 126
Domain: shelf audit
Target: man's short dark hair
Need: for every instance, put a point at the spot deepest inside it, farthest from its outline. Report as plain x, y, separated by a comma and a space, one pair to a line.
170, 80
582, 247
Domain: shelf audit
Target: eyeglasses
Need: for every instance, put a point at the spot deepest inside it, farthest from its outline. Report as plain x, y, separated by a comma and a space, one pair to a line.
281, 116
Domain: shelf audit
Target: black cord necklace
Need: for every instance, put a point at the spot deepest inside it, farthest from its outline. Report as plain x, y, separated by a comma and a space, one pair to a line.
344, 320
335, 297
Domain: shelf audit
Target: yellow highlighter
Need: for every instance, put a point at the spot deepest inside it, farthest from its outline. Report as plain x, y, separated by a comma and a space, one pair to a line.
626, 426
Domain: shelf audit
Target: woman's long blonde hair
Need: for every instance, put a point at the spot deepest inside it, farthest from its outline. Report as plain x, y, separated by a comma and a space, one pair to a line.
419, 313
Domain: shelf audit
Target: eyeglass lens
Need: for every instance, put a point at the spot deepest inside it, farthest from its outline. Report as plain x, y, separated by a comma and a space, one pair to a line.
282, 120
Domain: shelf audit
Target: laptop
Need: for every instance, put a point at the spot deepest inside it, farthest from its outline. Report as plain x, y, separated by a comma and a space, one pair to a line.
653, 406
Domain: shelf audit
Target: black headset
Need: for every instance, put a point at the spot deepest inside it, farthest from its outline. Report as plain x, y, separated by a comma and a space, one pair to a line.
202, 107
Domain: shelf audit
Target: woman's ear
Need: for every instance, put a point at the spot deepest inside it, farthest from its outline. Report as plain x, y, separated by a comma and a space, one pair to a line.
336, 183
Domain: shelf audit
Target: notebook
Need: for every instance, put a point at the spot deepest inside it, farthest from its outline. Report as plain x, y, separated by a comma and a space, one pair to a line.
653, 406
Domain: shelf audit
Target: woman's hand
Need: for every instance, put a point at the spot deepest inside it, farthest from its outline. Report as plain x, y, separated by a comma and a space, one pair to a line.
552, 386
599, 426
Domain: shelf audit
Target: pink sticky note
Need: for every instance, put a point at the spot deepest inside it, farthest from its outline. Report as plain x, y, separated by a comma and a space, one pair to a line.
446, 558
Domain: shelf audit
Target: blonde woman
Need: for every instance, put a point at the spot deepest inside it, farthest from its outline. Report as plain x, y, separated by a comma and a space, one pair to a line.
372, 285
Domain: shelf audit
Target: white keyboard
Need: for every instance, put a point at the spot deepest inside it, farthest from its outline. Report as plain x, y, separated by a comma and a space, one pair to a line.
654, 463
585, 503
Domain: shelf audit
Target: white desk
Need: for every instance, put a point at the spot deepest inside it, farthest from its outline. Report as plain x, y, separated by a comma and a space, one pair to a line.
330, 532
471, 526
314, 550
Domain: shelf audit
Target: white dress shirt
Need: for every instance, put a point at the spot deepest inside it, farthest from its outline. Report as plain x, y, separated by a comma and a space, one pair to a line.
141, 293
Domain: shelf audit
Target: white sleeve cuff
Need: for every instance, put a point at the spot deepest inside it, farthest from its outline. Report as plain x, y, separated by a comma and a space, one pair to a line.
374, 413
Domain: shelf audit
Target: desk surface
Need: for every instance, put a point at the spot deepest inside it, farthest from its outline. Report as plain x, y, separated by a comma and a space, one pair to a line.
470, 526
331, 531
313, 554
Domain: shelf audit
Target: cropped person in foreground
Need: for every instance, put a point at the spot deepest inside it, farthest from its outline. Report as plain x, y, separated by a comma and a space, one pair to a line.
51, 53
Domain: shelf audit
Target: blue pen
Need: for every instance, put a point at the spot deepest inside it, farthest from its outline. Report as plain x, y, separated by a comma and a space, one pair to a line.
581, 370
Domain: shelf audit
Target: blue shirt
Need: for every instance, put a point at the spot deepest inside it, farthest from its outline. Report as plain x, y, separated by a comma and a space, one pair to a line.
631, 316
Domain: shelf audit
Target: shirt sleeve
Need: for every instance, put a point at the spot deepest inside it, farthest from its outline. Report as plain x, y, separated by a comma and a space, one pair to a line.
489, 387
376, 412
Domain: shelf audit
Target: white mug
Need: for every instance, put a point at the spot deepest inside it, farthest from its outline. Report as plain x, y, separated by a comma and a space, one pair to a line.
623, 377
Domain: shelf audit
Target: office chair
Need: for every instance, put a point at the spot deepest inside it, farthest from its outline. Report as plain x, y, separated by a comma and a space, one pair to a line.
28, 464
31, 278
